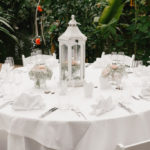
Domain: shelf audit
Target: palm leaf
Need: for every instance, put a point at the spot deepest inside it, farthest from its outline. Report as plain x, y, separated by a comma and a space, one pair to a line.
8, 33
113, 10
5, 22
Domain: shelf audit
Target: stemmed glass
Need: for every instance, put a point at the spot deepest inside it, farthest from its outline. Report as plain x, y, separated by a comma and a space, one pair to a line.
39, 52
10, 61
114, 57
140, 63
121, 57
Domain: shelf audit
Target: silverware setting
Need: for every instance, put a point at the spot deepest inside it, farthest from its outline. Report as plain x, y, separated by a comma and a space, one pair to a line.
126, 107
79, 113
135, 98
51, 110
143, 98
139, 97
49, 92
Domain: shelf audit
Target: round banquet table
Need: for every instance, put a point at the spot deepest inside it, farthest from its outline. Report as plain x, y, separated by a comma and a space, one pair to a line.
64, 129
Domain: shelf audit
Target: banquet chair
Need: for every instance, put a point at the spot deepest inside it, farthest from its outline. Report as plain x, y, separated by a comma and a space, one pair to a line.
103, 53
36, 59
128, 61
31, 60
145, 145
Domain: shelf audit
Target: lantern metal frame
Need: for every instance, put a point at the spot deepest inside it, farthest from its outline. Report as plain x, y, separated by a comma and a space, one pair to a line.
72, 38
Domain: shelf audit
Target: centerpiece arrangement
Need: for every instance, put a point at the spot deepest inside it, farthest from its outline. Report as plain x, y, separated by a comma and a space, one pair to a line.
40, 73
114, 74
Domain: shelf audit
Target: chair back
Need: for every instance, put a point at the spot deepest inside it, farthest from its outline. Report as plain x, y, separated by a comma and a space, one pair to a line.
127, 60
31, 60
136, 146
36, 59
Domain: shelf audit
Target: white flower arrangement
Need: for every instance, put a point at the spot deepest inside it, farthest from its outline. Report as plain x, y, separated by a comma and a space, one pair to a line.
113, 71
40, 73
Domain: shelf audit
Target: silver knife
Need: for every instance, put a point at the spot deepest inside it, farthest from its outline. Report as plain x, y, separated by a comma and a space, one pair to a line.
51, 110
126, 108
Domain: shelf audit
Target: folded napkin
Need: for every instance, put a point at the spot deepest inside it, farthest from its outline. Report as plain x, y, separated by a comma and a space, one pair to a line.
4, 103
28, 102
146, 91
102, 105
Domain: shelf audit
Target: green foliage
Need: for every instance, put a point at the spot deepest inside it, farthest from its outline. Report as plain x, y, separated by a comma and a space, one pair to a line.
110, 25
4, 24
112, 11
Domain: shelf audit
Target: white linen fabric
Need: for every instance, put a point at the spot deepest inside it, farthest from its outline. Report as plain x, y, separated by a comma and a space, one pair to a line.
28, 102
102, 105
64, 129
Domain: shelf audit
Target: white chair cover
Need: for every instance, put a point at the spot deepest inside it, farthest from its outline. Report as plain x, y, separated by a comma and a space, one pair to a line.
32, 60
128, 61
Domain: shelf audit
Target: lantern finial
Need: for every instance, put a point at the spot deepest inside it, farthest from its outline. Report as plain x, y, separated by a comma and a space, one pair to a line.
73, 22
73, 17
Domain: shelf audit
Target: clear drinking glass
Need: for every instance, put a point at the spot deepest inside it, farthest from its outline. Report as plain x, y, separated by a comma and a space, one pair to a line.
140, 63
121, 57
39, 52
88, 89
10, 61
33, 53
114, 57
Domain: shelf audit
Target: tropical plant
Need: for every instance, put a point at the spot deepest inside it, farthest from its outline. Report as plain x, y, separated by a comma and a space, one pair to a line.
6, 29
107, 24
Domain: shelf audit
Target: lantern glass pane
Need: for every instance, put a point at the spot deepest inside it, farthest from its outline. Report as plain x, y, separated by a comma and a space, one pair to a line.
76, 62
64, 62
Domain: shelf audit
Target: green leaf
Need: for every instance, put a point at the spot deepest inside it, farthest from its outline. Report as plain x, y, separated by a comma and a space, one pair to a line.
5, 22
8, 33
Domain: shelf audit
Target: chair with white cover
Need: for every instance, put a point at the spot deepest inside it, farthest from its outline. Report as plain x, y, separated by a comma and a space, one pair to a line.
37, 59
127, 60
145, 145
31, 60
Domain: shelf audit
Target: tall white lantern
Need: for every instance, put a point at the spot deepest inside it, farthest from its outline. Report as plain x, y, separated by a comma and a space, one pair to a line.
72, 54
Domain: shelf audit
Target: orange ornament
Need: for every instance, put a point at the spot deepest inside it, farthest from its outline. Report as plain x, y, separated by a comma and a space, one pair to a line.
38, 41
39, 8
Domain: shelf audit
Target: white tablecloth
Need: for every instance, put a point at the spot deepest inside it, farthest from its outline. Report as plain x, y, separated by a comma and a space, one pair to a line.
64, 130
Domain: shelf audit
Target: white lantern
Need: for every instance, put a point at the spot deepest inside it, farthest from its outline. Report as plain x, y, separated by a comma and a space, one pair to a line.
72, 54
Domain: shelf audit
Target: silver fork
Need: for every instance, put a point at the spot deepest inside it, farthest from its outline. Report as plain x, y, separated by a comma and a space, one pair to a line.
79, 113
143, 98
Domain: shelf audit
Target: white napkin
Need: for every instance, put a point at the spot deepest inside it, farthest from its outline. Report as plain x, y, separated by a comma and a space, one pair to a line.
146, 91
4, 103
28, 102
102, 105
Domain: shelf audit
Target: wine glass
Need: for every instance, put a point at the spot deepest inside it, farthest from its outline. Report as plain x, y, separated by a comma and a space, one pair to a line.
121, 57
39, 52
140, 63
10, 61
114, 57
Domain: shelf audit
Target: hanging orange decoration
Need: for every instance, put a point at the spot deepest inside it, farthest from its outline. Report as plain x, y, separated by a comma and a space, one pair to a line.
132, 3
39, 8
38, 41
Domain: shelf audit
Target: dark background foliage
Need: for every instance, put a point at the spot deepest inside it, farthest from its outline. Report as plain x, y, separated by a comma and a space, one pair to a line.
131, 34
